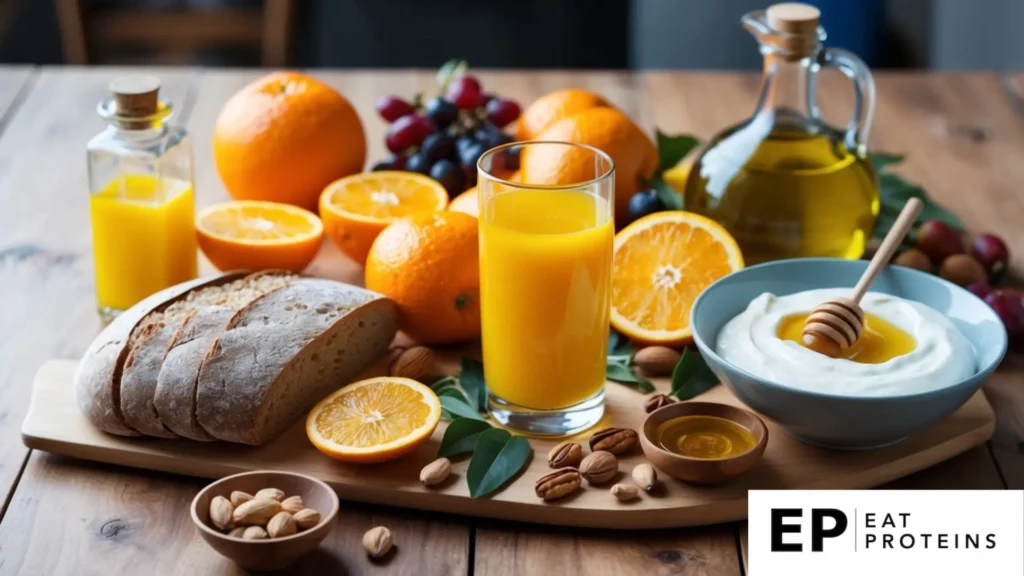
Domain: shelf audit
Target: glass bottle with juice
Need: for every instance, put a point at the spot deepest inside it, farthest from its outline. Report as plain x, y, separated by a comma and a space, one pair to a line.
784, 183
141, 201
545, 277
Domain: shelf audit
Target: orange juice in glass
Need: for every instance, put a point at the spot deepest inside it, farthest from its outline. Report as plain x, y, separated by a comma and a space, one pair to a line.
545, 276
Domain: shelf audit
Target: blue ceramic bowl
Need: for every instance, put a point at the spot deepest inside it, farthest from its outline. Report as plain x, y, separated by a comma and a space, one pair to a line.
837, 421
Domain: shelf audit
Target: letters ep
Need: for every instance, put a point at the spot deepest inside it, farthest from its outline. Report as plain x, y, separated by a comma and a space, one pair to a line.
781, 527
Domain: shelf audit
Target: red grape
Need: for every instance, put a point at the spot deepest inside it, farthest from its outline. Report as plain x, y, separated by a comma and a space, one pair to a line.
980, 289
501, 113
1008, 307
464, 92
392, 108
939, 241
993, 254
408, 131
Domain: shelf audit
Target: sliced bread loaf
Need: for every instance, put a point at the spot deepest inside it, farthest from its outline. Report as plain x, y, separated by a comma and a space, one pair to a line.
98, 378
285, 351
174, 397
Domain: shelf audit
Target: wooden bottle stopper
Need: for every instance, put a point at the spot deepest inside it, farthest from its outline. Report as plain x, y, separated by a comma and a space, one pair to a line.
798, 27
136, 96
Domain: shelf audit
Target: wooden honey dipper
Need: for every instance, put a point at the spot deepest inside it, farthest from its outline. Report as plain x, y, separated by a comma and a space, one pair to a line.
836, 324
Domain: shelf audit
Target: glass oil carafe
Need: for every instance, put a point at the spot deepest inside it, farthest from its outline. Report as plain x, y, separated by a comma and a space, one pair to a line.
783, 182
141, 200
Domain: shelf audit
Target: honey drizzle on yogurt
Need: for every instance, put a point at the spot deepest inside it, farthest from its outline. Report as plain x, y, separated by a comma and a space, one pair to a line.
880, 341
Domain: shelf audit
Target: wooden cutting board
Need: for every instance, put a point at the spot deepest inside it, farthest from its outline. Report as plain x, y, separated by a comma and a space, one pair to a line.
54, 424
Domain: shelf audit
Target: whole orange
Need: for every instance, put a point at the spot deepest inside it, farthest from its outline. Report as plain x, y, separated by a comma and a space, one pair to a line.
429, 266
552, 107
606, 129
284, 137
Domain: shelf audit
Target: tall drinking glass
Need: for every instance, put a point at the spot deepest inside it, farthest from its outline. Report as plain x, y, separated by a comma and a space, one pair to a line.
545, 284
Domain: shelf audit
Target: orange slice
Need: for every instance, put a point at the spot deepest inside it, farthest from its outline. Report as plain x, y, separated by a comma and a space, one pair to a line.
356, 208
468, 203
374, 420
661, 263
256, 235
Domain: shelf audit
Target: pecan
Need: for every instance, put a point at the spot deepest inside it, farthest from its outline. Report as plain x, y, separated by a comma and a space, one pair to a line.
566, 454
614, 440
558, 484
657, 401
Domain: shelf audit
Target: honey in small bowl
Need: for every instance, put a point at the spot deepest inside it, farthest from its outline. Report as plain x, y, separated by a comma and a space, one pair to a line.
704, 437
879, 342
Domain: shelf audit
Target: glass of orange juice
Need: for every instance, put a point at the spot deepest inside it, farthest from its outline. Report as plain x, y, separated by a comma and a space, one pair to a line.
545, 277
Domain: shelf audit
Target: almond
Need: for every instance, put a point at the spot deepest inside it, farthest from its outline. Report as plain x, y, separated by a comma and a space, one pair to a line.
237, 532
625, 492
238, 498
281, 525
377, 541
645, 476
220, 512
415, 363
254, 533
271, 493
292, 504
256, 512
306, 518
656, 360
436, 472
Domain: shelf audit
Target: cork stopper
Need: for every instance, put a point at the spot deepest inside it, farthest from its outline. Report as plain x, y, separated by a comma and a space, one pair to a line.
136, 96
798, 25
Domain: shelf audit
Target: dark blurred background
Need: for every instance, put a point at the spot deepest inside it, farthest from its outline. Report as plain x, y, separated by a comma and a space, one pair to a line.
937, 34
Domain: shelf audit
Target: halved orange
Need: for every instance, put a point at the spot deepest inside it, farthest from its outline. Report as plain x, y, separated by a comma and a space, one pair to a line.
356, 208
661, 263
374, 420
255, 235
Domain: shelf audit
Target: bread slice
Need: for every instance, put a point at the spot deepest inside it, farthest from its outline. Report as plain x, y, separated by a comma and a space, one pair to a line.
284, 352
174, 396
98, 378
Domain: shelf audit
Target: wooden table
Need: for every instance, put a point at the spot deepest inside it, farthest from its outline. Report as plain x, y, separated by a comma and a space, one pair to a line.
964, 133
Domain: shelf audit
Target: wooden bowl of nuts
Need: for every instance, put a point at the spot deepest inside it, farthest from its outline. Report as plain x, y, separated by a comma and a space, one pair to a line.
265, 520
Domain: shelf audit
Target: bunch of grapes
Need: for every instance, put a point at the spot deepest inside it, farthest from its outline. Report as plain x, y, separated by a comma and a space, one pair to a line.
445, 137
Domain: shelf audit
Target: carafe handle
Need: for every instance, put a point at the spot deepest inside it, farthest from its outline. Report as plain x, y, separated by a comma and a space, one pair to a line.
863, 91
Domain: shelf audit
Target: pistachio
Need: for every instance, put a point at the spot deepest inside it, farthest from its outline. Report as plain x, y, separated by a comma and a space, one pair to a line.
565, 454
656, 360
657, 401
220, 512
254, 533
238, 498
614, 440
306, 518
281, 525
645, 476
436, 472
271, 493
599, 467
558, 484
413, 363
377, 541
625, 492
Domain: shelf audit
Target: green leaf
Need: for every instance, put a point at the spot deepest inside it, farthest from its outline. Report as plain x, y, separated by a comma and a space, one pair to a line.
618, 344
618, 372
691, 376
472, 380
668, 195
497, 457
456, 406
443, 382
880, 160
461, 436
894, 192
672, 149
449, 71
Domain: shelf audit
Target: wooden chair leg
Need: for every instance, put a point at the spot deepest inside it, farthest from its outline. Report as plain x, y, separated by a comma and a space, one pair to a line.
72, 31
277, 20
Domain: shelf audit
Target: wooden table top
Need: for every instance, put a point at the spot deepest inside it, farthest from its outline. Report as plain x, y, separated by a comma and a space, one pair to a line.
964, 134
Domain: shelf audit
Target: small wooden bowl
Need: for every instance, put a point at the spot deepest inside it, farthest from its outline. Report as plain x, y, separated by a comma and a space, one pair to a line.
699, 470
272, 553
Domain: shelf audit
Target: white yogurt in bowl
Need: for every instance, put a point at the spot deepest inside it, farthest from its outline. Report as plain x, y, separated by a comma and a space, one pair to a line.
941, 357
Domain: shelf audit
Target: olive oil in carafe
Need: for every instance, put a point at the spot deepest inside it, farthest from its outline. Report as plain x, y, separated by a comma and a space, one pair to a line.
798, 194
